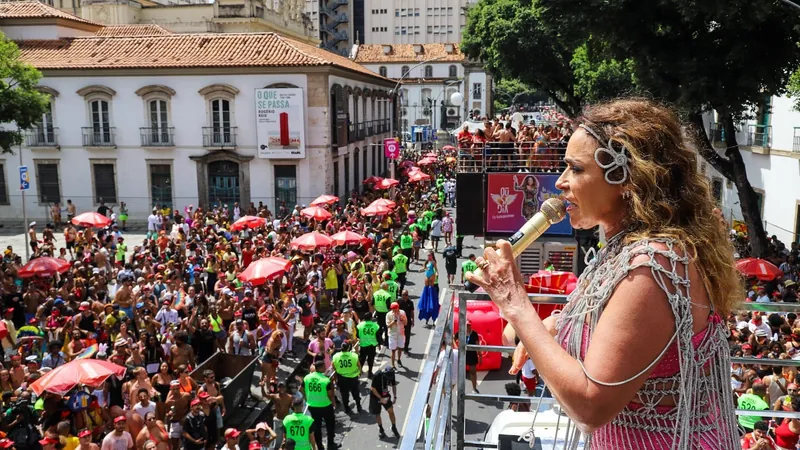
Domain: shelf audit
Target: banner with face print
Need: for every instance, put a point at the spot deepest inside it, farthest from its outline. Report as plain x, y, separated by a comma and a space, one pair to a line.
513, 198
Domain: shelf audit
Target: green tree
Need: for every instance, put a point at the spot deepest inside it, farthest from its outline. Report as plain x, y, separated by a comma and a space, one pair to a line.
507, 92
20, 102
698, 56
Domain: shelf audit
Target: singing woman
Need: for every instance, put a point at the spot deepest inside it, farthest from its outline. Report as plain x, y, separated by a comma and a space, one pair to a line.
640, 358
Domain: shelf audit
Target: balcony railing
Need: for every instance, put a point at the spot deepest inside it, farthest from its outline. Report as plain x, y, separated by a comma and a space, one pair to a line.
222, 137
371, 128
505, 157
157, 137
42, 137
99, 136
759, 136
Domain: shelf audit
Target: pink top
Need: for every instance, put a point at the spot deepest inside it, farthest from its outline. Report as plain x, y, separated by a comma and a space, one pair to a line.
313, 346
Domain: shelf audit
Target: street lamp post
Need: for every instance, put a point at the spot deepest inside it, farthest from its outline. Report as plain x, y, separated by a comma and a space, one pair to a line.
394, 104
454, 99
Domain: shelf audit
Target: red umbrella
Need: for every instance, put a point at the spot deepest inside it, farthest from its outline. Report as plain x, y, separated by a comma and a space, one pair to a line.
81, 372
91, 219
43, 267
418, 176
372, 180
430, 155
316, 213
265, 269
248, 222
386, 183
384, 202
552, 282
448, 148
375, 210
325, 200
346, 237
759, 268
311, 241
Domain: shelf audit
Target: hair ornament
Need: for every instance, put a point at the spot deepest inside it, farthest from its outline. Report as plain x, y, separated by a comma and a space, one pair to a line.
619, 159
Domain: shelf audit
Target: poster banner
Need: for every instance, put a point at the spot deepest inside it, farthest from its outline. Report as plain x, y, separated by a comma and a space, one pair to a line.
516, 197
280, 124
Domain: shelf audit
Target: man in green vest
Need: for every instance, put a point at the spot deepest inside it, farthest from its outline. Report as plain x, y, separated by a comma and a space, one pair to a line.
406, 243
298, 427
753, 402
400, 268
468, 266
381, 300
345, 363
318, 390
389, 277
367, 338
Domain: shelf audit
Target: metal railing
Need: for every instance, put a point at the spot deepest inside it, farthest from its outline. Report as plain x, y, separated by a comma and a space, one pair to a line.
157, 137
99, 136
510, 156
759, 136
433, 396
42, 137
222, 137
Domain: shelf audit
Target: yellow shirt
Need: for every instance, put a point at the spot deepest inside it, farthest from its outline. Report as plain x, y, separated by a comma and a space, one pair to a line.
72, 443
331, 281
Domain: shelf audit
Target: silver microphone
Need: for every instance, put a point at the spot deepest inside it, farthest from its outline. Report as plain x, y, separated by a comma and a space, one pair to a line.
552, 211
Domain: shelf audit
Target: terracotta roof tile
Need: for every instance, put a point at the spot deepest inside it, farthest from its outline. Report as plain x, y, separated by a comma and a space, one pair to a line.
181, 50
144, 29
374, 53
36, 10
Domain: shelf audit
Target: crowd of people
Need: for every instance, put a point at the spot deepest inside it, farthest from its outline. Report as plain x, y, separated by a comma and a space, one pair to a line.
506, 145
163, 306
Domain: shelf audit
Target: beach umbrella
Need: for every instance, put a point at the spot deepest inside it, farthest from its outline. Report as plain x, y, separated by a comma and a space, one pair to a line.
248, 222
386, 183
82, 372
448, 148
348, 237
91, 220
372, 180
758, 268
265, 269
384, 202
44, 266
311, 241
316, 213
418, 176
425, 162
325, 200
430, 155
375, 210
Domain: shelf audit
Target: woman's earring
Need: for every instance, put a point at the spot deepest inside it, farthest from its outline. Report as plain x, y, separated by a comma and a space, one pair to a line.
627, 195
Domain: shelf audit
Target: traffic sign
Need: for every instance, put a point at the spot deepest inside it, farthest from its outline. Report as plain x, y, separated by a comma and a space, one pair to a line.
24, 178
391, 148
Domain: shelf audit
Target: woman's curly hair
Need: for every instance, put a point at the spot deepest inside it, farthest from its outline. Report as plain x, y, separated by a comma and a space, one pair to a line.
669, 197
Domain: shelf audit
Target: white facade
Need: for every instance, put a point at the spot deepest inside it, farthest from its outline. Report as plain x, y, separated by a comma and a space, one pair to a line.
414, 21
773, 168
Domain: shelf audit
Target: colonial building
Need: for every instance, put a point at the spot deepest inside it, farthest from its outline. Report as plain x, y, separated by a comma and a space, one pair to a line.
285, 17
180, 119
430, 73
770, 147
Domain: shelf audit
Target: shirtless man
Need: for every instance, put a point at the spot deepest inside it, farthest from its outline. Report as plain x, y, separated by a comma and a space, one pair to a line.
282, 404
211, 385
70, 210
123, 298
182, 353
17, 372
180, 402
154, 430
506, 139
34, 241
32, 299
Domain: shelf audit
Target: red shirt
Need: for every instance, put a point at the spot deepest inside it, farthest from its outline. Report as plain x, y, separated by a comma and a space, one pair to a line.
247, 256
748, 441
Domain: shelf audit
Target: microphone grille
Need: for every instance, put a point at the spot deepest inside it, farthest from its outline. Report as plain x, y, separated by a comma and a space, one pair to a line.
554, 210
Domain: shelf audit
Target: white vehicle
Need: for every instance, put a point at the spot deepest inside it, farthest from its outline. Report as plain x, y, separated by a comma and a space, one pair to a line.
549, 431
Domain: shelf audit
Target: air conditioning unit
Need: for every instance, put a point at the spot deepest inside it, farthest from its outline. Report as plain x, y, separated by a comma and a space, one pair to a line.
426, 112
404, 112
451, 112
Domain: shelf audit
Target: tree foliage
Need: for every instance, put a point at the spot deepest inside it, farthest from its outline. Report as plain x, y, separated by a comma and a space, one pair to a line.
509, 92
724, 55
20, 102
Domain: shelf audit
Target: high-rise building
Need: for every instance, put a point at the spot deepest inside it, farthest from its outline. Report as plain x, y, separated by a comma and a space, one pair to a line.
334, 22
414, 22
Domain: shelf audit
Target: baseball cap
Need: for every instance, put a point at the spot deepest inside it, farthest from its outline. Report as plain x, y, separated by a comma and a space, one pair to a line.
232, 433
747, 347
175, 383
6, 443
203, 395
84, 433
395, 305
84, 306
254, 445
195, 402
261, 426
119, 419
49, 441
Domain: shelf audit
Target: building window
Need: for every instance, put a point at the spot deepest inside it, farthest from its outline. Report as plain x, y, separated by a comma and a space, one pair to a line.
364, 163
356, 167
428, 71
161, 185
336, 178
221, 132
347, 176
105, 184
3, 187
430, 12
397, 31
159, 122
397, 12
374, 159
45, 130
450, 11
382, 71
285, 185
404, 97
435, 11
449, 29
404, 71
416, 29
416, 12
477, 90
403, 12
403, 31
101, 123
430, 29
453, 71
48, 183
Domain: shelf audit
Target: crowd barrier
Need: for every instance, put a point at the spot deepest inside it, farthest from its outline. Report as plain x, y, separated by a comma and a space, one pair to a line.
512, 156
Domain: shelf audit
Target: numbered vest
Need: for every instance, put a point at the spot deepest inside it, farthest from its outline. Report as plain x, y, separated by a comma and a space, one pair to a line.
298, 429
406, 241
382, 299
316, 385
367, 333
394, 288
346, 364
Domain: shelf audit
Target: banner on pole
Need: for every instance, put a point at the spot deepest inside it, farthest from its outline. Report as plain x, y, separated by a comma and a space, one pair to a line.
24, 178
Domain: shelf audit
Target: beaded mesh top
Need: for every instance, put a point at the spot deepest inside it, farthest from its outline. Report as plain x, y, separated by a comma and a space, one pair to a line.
703, 415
